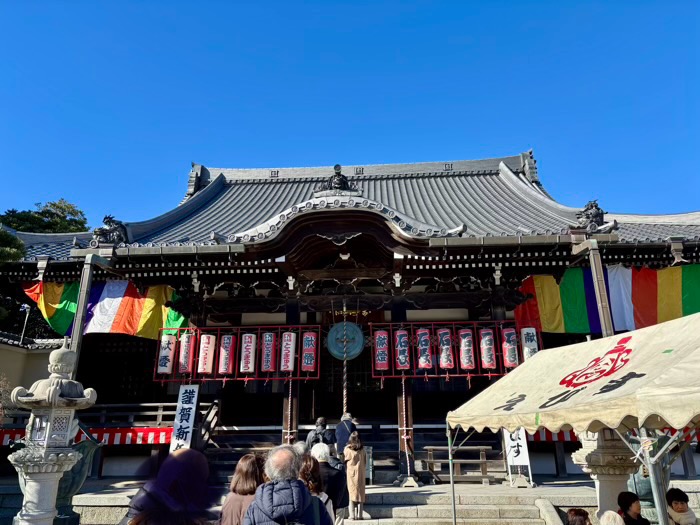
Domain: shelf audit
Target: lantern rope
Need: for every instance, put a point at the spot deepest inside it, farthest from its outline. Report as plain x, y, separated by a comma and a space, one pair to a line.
405, 435
345, 358
289, 413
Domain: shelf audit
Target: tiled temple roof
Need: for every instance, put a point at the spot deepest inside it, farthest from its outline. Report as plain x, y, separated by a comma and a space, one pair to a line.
490, 197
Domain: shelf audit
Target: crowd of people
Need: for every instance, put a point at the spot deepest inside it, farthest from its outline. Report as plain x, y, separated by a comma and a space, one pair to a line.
630, 511
319, 481
315, 482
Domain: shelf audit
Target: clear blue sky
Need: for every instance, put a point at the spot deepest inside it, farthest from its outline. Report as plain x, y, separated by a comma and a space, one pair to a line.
106, 103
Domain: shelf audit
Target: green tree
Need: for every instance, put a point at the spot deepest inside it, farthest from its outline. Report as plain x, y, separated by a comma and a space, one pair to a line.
11, 248
53, 217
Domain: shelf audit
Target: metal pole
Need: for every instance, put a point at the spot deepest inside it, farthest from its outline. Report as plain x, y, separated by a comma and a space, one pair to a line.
601, 291
657, 482
452, 476
76, 340
27, 309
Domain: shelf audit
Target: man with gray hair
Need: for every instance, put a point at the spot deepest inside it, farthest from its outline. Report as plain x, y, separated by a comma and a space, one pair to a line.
285, 499
334, 480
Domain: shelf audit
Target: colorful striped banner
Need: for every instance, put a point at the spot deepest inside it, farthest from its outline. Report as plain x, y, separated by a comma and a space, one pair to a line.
114, 307
638, 297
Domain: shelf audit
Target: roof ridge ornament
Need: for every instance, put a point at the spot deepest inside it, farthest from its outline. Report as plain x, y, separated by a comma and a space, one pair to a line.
337, 184
591, 219
113, 232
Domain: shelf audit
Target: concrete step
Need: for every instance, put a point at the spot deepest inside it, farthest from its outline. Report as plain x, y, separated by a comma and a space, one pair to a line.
448, 521
397, 498
445, 511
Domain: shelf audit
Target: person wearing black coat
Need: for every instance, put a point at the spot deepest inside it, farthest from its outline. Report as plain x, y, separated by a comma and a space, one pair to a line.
334, 480
320, 434
631, 509
343, 431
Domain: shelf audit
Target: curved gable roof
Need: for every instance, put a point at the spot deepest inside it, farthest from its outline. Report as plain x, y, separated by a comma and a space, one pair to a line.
490, 197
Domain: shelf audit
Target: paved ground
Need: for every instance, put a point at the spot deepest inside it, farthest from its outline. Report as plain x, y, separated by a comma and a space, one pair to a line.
117, 490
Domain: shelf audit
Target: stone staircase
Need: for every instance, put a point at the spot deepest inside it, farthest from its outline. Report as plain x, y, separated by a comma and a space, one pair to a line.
415, 508
229, 446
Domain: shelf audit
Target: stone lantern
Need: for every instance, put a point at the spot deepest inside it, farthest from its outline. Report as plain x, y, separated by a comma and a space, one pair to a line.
609, 462
50, 431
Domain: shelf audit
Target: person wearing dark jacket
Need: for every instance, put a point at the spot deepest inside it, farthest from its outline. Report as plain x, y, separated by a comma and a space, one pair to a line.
178, 496
285, 499
334, 480
343, 431
631, 509
320, 434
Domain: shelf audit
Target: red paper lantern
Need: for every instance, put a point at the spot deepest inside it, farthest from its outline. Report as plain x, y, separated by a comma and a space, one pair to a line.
488, 350
309, 342
403, 355
289, 349
510, 347
226, 349
425, 351
186, 357
447, 357
466, 349
381, 350
269, 352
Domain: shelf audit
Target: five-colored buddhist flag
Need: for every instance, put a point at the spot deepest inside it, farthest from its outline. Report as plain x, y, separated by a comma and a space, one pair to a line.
638, 297
114, 307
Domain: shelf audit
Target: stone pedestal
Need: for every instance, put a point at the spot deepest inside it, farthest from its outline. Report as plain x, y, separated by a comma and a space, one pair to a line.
41, 470
608, 460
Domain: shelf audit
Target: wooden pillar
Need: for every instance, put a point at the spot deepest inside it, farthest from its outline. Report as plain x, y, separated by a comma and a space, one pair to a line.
688, 464
290, 422
560, 459
498, 313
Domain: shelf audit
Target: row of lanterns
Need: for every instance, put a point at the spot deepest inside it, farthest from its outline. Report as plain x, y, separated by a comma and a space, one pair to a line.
445, 355
227, 353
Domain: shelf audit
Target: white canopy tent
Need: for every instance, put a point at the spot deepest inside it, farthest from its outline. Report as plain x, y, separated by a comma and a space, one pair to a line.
644, 380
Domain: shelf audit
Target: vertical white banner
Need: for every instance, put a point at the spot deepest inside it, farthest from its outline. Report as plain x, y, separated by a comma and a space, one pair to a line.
185, 414
517, 455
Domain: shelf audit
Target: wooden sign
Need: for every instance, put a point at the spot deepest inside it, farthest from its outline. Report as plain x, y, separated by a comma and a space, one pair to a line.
185, 415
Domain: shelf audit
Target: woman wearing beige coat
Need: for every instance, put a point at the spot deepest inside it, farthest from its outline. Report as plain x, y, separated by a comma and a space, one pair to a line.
356, 466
